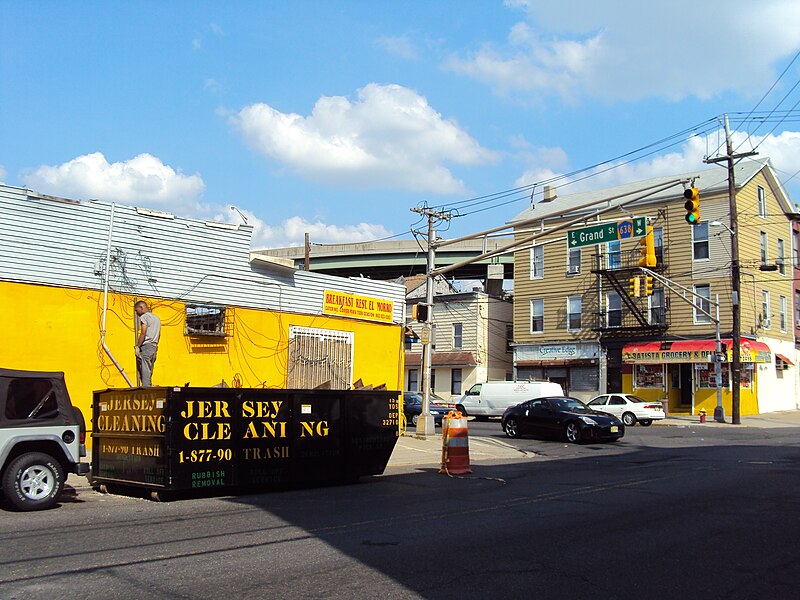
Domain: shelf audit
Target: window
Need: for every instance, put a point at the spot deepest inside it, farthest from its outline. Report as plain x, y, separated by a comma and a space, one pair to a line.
658, 241
702, 303
764, 253
537, 315
584, 379
433, 380
796, 249
797, 309
458, 335
658, 315
413, 380
574, 261
781, 258
574, 313
31, 399
614, 310
700, 241
455, 381
617, 401
205, 320
614, 255
765, 311
783, 313
537, 262
319, 357
509, 337
762, 202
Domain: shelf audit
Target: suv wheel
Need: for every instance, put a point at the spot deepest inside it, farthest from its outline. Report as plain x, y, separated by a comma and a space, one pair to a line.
33, 481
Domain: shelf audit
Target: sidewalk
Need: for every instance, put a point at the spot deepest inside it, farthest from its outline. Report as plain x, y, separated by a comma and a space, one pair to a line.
788, 418
411, 450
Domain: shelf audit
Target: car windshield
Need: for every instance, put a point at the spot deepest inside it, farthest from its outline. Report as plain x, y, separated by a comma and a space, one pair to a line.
569, 404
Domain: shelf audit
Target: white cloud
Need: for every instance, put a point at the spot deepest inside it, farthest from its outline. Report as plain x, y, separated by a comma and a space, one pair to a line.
143, 181
629, 51
217, 30
399, 45
389, 137
782, 149
213, 86
197, 42
291, 232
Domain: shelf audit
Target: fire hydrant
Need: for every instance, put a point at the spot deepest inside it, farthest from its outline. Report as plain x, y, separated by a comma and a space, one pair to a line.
702, 415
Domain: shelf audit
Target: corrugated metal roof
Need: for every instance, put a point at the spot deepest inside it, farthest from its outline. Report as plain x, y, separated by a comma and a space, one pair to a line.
711, 180
50, 241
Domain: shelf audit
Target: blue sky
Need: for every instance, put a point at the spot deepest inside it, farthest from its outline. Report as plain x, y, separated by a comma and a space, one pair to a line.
337, 117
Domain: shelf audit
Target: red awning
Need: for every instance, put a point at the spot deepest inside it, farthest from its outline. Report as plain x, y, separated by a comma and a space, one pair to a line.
784, 359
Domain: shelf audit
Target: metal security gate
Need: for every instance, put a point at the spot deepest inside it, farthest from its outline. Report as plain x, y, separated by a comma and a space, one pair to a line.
320, 357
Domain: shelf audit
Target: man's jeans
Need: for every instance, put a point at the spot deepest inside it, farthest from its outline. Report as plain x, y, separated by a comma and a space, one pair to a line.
145, 362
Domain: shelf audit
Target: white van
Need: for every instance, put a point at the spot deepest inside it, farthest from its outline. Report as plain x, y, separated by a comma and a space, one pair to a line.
492, 398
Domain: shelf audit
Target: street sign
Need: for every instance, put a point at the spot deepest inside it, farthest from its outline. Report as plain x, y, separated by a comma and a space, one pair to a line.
607, 232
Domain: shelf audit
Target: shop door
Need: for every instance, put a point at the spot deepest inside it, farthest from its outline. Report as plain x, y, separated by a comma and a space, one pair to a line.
686, 384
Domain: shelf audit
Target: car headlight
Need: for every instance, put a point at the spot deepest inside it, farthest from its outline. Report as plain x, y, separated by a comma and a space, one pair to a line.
588, 420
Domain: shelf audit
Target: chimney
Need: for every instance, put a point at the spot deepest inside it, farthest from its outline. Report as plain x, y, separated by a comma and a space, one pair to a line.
494, 280
549, 194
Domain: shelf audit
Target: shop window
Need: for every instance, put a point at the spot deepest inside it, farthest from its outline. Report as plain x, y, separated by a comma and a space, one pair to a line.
31, 399
706, 376
700, 242
458, 335
649, 376
205, 320
702, 304
320, 357
537, 262
455, 381
537, 315
614, 310
574, 313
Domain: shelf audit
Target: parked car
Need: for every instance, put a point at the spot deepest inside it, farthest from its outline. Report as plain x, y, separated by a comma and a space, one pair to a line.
490, 399
561, 417
412, 407
629, 408
42, 437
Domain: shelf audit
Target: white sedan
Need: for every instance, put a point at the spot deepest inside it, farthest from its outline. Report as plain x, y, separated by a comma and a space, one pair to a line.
629, 408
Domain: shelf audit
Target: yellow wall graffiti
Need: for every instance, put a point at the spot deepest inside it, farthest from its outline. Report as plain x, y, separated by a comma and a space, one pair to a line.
58, 329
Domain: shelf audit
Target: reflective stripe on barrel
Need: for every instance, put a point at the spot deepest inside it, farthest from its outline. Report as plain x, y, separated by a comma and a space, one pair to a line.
455, 445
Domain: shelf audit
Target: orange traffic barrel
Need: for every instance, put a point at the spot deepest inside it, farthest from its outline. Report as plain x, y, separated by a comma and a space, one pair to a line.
455, 444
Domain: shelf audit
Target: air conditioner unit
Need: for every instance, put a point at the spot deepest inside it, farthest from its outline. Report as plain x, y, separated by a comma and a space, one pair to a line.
573, 269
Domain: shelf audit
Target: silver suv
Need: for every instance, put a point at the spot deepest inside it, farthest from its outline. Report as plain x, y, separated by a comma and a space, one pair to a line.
42, 438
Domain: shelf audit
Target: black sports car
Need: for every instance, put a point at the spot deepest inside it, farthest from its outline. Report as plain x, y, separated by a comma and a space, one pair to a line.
561, 417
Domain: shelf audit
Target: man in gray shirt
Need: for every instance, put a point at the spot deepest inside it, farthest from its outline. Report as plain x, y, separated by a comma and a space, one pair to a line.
146, 343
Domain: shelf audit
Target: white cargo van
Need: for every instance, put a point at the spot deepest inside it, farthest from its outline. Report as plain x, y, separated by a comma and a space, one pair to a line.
490, 399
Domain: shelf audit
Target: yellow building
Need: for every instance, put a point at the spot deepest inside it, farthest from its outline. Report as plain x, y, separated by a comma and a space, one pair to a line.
70, 273
576, 322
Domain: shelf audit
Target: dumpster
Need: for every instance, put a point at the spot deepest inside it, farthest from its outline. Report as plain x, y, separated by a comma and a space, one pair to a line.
176, 439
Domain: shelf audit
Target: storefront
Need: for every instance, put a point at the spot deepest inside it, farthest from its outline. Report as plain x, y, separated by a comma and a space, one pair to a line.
684, 373
576, 366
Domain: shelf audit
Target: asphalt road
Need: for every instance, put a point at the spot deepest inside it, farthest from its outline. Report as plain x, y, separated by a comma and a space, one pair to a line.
669, 512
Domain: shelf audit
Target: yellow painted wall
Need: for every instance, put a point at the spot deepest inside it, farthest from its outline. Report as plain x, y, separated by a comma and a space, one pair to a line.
58, 329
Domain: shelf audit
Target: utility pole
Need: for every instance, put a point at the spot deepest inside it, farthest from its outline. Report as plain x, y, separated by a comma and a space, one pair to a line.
425, 424
736, 275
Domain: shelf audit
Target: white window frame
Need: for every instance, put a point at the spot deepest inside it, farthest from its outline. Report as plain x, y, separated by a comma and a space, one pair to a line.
762, 202
764, 247
780, 259
617, 263
659, 291
784, 323
458, 334
698, 317
695, 242
766, 310
535, 301
537, 273
615, 295
574, 269
579, 313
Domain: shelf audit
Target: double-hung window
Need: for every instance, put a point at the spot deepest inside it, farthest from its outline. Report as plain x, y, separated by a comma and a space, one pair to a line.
700, 242
762, 202
537, 262
702, 305
574, 313
613, 310
780, 260
537, 315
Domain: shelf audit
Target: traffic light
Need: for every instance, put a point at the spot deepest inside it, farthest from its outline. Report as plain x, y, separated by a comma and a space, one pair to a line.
692, 205
634, 287
647, 248
419, 312
648, 285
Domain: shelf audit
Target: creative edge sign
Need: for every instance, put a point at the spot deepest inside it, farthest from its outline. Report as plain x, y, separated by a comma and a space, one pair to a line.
343, 304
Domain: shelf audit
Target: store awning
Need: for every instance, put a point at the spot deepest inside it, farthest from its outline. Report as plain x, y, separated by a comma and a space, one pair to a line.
443, 359
784, 359
693, 351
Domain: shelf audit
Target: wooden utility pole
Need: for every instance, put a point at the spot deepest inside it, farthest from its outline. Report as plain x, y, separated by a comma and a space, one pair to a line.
736, 275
